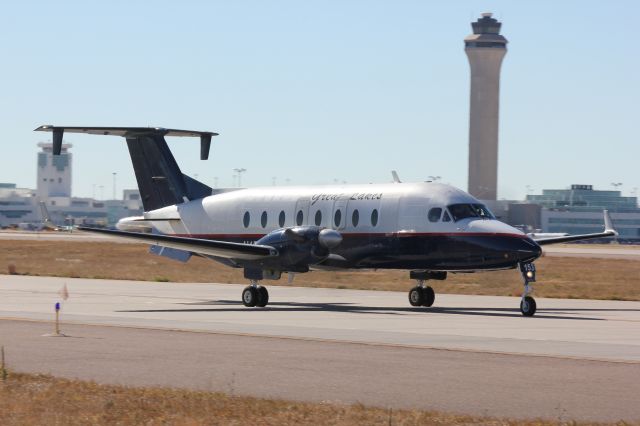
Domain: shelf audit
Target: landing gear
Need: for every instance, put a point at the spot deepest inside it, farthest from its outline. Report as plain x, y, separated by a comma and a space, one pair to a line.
263, 297
528, 306
422, 295
255, 295
416, 296
429, 296
528, 303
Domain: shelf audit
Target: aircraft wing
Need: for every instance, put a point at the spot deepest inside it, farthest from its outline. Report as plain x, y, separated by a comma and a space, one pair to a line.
222, 249
609, 231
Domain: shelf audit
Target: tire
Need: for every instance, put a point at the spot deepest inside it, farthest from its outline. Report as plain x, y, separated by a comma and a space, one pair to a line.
263, 297
429, 296
528, 306
249, 296
416, 296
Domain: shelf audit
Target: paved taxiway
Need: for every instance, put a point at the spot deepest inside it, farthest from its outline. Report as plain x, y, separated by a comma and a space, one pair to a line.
576, 359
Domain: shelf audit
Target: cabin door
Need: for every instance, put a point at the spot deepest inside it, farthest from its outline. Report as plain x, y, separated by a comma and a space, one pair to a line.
412, 213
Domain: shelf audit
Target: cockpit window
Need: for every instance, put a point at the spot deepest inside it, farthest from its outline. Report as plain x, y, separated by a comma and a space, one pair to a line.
434, 214
463, 211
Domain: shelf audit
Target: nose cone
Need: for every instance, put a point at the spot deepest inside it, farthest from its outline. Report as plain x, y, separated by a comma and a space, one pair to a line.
528, 251
506, 240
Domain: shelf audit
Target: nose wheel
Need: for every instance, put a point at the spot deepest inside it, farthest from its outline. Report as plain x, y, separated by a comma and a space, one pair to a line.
528, 303
528, 306
255, 295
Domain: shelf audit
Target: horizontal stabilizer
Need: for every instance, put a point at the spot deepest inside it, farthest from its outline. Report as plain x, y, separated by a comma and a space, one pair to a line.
128, 132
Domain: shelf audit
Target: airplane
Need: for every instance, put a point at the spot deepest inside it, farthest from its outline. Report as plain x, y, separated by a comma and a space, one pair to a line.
48, 224
429, 229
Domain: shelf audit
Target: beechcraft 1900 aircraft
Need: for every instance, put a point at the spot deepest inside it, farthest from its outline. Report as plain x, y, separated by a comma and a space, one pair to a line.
428, 228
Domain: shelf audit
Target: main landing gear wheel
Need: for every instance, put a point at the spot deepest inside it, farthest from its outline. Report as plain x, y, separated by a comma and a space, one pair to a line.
429, 296
250, 296
416, 296
528, 306
255, 295
422, 296
263, 297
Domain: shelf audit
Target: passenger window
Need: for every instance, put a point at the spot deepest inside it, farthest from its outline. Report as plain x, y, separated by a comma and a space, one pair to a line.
337, 218
355, 218
446, 217
246, 219
434, 214
263, 219
374, 217
299, 218
318, 218
281, 219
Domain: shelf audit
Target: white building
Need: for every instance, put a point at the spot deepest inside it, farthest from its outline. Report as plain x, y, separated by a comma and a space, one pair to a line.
54, 172
21, 205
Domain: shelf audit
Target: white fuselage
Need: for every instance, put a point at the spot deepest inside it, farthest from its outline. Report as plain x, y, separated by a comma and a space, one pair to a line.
352, 209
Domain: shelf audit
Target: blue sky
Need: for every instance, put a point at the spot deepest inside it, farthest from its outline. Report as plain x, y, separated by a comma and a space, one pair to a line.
314, 91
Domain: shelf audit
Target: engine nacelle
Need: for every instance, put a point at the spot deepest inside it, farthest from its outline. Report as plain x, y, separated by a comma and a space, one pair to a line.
301, 246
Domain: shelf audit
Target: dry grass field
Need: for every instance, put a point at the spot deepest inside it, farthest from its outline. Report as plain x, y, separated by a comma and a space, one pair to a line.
27, 399
581, 278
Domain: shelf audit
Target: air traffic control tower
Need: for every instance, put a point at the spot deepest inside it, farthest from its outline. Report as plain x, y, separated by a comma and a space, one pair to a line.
485, 49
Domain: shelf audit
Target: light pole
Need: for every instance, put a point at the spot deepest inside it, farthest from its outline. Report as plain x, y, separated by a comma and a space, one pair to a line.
239, 173
101, 192
114, 185
529, 189
616, 185
434, 178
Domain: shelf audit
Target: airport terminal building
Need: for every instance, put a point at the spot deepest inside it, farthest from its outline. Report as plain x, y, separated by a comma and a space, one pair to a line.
578, 210
21, 206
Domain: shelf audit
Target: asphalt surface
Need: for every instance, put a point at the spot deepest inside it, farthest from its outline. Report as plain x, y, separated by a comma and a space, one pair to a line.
293, 369
576, 359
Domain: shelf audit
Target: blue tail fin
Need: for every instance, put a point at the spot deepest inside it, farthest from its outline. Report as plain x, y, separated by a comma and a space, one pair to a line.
160, 181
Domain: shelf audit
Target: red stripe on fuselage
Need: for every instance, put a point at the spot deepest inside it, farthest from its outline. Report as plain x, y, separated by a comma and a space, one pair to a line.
362, 234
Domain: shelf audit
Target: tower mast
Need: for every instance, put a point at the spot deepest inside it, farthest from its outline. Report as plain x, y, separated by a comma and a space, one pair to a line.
485, 49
